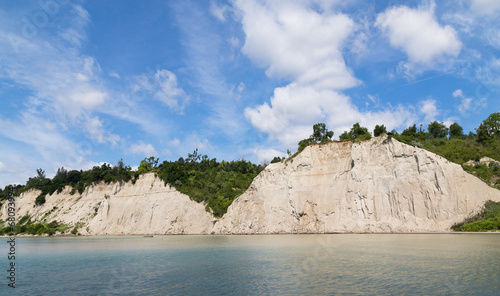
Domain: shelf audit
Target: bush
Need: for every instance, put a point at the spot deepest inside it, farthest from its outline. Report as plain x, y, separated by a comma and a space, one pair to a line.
494, 166
40, 199
486, 220
416, 144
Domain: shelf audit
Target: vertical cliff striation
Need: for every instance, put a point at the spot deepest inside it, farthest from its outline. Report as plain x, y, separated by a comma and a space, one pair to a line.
146, 207
380, 185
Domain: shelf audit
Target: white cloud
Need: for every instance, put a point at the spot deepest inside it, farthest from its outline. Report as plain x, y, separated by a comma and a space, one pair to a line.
75, 34
418, 33
468, 105
485, 7
142, 148
458, 93
219, 11
95, 127
429, 110
465, 105
266, 155
164, 87
175, 142
488, 76
291, 117
114, 75
295, 42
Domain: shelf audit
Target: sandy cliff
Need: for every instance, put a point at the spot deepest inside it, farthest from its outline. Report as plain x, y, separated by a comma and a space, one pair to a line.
379, 185
146, 207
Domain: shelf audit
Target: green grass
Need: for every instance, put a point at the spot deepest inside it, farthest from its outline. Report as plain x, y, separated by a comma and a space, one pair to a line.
486, 220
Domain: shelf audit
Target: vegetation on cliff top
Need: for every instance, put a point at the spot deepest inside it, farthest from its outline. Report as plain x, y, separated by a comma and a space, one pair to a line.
214, 183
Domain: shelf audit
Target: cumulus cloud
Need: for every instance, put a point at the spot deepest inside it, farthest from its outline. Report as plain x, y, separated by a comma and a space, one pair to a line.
302, 45
143, 149
297, 43
418, 33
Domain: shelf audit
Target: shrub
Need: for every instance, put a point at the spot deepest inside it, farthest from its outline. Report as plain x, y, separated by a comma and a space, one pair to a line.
40, 199
494, 166
486, 220
417, 144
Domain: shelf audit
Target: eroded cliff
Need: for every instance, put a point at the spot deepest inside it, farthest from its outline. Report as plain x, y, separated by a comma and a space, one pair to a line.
146, 207
379, 185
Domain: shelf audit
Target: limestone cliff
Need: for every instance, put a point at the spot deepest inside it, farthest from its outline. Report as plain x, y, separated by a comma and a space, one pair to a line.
379, 185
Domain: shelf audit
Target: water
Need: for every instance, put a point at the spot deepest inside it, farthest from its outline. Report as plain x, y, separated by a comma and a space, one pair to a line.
337, 264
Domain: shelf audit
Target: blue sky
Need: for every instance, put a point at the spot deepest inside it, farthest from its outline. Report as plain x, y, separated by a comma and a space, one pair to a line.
87, 82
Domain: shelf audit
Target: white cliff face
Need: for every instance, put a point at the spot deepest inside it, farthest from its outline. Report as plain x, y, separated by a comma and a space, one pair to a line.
146, 207
379, 185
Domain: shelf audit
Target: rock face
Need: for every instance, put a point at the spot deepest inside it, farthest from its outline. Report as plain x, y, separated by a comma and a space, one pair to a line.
146, 207
379, 185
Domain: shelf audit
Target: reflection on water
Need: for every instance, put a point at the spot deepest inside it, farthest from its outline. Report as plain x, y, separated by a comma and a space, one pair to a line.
337, 264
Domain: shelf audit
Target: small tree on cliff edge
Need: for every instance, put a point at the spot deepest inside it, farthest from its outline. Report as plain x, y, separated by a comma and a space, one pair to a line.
356, 132
320, 135
379, 129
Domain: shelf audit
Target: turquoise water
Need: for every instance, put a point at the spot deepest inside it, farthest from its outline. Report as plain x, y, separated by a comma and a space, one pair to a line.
337, 264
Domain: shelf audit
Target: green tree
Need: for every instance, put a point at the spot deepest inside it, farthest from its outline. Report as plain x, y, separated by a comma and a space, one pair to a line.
489, 128
148, 165
379, 130
356, 132
320, 135
277, 159
345, 136
437, 130
410, 131
39, 181
194, 157
456, 130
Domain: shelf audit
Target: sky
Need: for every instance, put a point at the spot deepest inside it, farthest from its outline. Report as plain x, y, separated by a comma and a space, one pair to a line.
89, 82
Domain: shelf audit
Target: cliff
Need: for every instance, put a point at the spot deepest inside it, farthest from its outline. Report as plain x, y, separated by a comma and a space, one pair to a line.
380, 185
146, 207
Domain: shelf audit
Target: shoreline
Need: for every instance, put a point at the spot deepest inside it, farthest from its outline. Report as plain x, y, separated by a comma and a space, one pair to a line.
241, 234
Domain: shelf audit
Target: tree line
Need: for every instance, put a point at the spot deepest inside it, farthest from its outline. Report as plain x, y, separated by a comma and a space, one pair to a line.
203, 179
486, 132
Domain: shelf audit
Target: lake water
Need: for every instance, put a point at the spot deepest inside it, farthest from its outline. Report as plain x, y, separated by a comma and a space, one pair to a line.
336, 264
